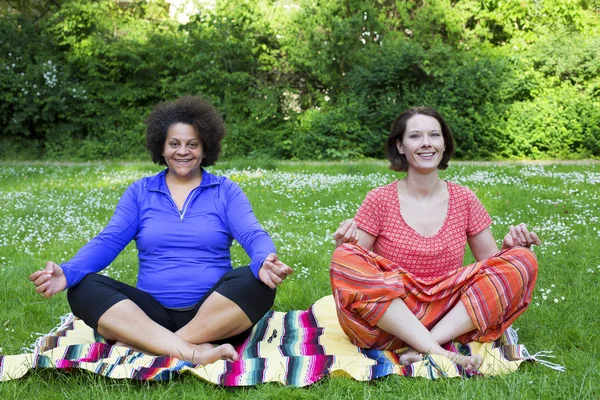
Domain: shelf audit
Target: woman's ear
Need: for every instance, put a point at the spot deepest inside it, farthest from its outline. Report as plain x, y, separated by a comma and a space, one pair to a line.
399, 146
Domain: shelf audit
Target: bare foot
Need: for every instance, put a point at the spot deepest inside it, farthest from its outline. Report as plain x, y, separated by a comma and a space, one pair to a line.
410, 356
207, 354
472, 363
204, 354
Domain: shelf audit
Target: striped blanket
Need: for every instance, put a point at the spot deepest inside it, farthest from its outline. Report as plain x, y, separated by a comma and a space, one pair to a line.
296, 348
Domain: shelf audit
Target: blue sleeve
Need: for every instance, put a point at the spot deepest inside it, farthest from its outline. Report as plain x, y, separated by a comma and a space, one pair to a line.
245, 227
99, 252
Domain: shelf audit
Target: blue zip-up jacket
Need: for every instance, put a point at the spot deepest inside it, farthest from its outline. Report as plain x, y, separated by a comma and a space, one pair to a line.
182, 254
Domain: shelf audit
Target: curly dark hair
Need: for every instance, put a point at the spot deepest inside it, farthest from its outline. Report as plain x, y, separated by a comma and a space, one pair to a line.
398, 161
191, 110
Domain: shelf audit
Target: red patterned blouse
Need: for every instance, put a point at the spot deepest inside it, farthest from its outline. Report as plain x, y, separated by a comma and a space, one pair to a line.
425, 257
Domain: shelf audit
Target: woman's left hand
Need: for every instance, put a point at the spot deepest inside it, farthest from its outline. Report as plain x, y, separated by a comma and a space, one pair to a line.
273, 271
520, 236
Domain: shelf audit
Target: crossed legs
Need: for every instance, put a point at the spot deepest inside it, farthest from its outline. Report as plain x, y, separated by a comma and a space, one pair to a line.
402, 323
374, 299
135, 319
126, 323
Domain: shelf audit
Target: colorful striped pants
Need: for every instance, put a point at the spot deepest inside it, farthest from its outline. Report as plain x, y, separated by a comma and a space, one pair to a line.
494, 291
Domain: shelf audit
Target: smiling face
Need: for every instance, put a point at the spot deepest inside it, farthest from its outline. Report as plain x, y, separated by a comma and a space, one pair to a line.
183, 151
423, 142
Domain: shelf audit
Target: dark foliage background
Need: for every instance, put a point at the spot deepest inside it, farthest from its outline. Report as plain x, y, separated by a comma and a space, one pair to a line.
302, 79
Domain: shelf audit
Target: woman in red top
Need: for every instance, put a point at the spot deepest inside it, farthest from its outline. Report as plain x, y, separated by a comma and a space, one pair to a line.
412, 289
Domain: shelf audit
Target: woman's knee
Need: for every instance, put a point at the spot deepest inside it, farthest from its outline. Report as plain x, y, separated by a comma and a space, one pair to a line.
347, 251
80, 292
524, 262
249, 293
257, 288
90, 293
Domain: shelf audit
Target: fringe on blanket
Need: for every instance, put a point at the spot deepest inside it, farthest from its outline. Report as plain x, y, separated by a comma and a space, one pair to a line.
538, 357
65, 320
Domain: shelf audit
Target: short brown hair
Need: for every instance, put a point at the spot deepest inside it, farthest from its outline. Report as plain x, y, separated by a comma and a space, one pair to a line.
398, 161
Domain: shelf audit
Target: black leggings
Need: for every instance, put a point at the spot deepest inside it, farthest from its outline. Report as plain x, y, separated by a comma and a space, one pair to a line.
95, 294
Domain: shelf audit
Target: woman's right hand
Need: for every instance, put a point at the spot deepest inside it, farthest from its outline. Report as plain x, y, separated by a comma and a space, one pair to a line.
346, 233
49, 280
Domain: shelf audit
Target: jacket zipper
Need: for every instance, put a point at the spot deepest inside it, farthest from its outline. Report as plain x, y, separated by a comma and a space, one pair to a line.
185, 204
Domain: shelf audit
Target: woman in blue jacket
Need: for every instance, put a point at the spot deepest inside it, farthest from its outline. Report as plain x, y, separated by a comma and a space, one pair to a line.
183, 220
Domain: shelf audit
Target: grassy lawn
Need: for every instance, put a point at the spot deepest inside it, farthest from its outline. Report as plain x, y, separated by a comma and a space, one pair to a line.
48, 211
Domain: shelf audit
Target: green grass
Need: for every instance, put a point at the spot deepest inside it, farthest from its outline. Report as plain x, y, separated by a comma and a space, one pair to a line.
48, 211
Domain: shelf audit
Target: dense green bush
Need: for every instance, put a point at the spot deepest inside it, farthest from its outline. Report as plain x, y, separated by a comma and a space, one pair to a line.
304, 79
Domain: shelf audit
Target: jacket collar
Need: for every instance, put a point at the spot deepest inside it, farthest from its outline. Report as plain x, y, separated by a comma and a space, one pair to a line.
158, 182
